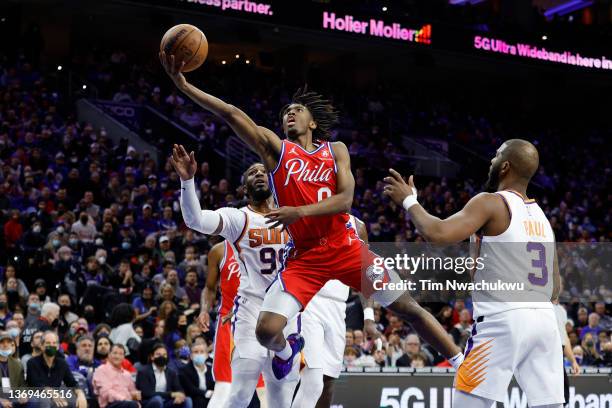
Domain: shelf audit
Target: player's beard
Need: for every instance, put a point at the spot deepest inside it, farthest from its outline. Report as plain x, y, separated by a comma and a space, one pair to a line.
258, 195
492, 183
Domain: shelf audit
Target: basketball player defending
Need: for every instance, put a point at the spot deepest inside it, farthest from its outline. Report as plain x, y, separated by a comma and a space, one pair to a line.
313, 186
508, 337
259, 248
224, 269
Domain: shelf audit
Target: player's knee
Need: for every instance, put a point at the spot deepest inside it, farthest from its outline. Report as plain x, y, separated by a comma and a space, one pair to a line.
268, 327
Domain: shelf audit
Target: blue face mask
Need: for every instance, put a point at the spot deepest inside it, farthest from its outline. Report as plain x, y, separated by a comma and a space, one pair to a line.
199, 359
13, 332
6, 353
55, 243
126, 245
184, 352
35, 307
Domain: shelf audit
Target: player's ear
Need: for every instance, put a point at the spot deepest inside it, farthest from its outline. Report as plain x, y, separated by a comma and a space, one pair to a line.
312, 125
505, 168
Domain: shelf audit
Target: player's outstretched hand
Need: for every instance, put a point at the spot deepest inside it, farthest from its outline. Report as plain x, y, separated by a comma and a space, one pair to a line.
173, 69
283, 216
184, 163
396, 188
204, 321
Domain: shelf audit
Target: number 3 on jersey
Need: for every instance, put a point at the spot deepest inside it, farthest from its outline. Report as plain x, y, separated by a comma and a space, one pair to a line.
323, 193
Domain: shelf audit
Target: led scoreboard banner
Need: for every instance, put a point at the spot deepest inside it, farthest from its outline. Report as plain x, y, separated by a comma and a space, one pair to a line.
389, 29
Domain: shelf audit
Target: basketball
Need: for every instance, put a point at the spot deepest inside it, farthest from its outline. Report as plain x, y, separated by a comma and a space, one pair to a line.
187, 43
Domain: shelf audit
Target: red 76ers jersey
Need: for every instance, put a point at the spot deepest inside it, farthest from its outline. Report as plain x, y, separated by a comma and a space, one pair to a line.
303, 178
230, 279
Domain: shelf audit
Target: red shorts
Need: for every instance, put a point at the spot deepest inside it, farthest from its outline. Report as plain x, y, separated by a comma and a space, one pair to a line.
348, 259
224, 345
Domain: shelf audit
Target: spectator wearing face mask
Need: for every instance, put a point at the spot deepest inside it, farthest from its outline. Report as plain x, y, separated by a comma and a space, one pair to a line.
12, 328
592, 357
84, 228
159, 383
10, 367
65, 304
33, 239
196, 376
68, 270
47, 370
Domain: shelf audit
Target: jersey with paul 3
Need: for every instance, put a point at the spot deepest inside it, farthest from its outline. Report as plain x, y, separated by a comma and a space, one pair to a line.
303, 178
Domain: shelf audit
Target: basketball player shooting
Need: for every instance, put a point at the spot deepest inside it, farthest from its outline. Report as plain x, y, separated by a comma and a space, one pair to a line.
508, 337
313, 185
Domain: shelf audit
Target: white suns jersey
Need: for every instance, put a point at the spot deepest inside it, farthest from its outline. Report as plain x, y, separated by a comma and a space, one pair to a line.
334, 289
259, 249
522, 256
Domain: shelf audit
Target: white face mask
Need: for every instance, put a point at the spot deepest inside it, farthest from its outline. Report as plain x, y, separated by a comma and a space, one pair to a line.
36, 229
101, 260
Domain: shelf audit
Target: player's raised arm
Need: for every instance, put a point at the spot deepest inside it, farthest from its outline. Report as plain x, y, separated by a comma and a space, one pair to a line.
476, 214
209, 294
227, 222
260, 139
337, 203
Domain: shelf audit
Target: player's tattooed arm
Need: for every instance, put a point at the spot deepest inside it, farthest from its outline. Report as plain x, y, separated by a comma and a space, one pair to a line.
260, 139
482, 211
209, 294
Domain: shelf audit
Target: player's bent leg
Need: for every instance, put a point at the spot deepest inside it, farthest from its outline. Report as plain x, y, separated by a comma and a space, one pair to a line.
220, 394
311, 387
464, 400
427, 326
327, 396
278, 307
245, 375
269, 330
261, 395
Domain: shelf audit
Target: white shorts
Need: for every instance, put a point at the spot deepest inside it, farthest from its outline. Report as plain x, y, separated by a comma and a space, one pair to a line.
324, 331
520, 342
244, 321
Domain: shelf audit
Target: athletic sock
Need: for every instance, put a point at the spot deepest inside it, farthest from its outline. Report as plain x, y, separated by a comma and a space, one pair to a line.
457, 360
285, 353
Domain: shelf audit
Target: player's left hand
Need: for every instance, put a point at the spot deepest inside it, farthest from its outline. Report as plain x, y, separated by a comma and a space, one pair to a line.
370, 330
283, 216
396, 188
575, 368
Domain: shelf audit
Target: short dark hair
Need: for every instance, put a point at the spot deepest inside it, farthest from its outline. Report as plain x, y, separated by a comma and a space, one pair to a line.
323, 112
156, 347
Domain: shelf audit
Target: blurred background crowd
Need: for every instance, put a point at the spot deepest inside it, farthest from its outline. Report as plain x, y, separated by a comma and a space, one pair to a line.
94, 248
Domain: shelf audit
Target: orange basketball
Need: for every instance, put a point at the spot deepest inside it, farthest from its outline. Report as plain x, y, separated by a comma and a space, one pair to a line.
187, 43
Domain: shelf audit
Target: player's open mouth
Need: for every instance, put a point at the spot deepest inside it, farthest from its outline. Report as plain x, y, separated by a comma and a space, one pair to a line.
290, 122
